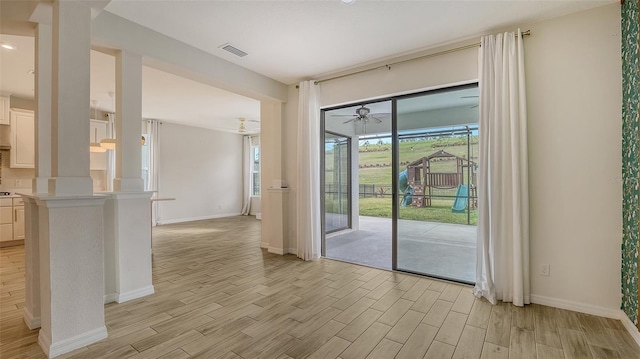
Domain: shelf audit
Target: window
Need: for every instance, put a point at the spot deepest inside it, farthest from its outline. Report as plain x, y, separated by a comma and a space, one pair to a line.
255, 172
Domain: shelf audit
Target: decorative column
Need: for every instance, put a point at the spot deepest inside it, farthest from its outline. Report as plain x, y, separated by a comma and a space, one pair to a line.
278, 198
128, 122
70, 217
128, 211
273, 230
43, 64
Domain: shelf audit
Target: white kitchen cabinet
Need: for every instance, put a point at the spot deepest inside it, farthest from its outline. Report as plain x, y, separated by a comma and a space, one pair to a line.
18, 223
98, 132
4, 110
23, 141
6, 220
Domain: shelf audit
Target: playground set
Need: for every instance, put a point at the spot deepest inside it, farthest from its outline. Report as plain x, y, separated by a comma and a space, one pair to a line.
418, 182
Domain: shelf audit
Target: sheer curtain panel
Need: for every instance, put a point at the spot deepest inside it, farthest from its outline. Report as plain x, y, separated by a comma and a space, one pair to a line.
308, 191
502, 271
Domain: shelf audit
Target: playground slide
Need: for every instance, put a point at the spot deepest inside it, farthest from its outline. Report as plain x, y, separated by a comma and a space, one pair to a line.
460, 203
404, 187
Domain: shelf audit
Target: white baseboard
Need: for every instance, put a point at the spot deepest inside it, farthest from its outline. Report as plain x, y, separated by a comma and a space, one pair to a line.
631, 328
135, 294
258, 215
191, 219
70, 344
31, 321
264, 245
276, 250
110, 298
576, 307
293, 250
590, 309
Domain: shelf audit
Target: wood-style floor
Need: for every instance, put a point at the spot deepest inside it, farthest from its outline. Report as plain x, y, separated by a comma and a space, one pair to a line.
218, 295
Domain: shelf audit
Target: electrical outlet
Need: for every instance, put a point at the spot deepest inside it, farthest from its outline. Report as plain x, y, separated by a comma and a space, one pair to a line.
18, 183
545, 270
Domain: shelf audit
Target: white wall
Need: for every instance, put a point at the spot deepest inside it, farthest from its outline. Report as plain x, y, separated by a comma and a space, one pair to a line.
202, 170
574, 82
290, 162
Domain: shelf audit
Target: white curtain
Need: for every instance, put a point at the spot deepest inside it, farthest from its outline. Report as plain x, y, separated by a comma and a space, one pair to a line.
247, 157
308, 191
153, 129
111, 155
502, 271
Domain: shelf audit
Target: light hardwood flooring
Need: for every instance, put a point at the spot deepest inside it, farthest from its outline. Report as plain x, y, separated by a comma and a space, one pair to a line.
218, 295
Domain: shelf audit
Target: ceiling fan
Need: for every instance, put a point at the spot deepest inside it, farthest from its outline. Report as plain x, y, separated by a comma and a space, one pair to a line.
242, 127
363, 115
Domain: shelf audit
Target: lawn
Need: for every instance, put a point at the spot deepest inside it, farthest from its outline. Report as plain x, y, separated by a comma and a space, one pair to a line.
440, 211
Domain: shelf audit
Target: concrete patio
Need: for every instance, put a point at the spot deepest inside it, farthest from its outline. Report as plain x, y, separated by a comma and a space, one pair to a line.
435, 249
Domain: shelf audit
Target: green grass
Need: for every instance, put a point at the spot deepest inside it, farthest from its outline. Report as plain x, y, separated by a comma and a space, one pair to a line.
440, 211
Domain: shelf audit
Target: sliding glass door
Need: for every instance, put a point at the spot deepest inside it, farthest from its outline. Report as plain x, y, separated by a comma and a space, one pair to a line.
437, 162
411, 202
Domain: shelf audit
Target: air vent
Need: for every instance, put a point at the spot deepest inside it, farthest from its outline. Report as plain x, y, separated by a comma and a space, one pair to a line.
234, 50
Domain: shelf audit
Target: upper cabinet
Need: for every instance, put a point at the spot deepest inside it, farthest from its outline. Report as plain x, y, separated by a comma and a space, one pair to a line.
22, 154
4, 110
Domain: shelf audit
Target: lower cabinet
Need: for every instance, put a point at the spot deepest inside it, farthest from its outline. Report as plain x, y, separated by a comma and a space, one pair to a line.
6, 219
18, 219
11, 221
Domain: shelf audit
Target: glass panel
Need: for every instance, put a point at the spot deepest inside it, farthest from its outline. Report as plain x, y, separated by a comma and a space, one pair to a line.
369, 238
336, 182
437, 154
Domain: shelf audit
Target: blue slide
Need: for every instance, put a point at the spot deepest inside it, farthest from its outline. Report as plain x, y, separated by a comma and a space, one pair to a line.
404, 187
460, 204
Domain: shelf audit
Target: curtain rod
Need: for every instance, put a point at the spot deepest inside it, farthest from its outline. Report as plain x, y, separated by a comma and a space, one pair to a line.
388, 66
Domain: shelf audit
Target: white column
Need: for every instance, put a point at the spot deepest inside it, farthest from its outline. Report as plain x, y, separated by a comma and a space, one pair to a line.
31, 309
43, 78
273, 233
70, 217
70, 107
128, 259
128, 117
128, 212
43, 64
71, 273
278, 199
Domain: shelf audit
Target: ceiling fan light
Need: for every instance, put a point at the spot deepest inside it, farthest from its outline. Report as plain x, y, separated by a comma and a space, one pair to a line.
108, 143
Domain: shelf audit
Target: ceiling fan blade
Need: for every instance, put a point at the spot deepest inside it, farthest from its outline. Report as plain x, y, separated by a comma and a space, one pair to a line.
347, 121
257, 121
380, 114
375, 118
342, 115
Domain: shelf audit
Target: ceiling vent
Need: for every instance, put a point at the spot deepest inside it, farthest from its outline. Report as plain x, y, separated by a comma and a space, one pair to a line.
234, 50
